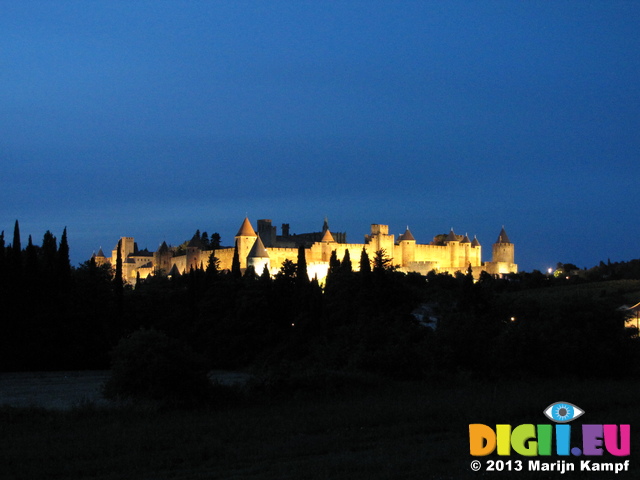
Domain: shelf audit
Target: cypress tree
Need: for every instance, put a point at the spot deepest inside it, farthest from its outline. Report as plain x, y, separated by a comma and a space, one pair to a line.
365, 264
213, 266
118, 281
49, 254
334, 263
16, 238
2, 258
346, 266
302, 276
15, 255
63, 265
236, 272
265, 276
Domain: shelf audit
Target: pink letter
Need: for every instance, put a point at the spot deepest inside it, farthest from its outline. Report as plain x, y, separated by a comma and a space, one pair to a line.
611, 440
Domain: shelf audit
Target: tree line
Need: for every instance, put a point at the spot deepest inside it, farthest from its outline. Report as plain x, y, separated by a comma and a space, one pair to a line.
59, 317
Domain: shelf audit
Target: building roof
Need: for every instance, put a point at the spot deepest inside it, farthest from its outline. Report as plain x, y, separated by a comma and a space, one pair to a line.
465, 239
475, 242
164, 248
451, 237
246, 230
406, 236
327, 237
503, 238
195, 242
100, 253
258, 250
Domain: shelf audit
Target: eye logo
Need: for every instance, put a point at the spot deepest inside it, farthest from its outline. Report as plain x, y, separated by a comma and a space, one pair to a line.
563, 412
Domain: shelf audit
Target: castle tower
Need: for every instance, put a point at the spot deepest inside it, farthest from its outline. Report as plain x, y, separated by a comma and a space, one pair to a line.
99, 258
258, 257
465, 244
327, 245
476, 250
453, 245
503, 250
267, 233
380, 239
245, 238
127, 247
503, 256
162, 259
407, 244
194, 247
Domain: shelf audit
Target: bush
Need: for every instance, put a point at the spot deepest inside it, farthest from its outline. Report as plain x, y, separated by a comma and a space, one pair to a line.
149, 365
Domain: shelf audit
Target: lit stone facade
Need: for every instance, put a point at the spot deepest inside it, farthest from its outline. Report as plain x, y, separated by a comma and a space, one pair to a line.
452, 254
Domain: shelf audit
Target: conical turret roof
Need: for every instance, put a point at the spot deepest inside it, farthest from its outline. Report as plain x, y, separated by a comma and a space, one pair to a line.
163, 248
258, 250
195, 242
475, 242
503, 238
100, 253
465, 239
451, 237
327, 237
246, 230
407, 235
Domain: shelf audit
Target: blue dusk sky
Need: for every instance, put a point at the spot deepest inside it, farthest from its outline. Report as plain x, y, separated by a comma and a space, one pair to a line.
154, 119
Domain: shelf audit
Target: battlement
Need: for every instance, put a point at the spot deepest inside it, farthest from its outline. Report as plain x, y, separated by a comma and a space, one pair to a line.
446, 255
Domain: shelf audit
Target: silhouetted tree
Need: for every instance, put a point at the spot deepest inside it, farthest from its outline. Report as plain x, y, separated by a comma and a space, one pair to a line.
250, 273
2, 258
214, 240
63, 263
334, 263
302, 277
381, 262
365, 263
346, 266
236, 272
15, 256
16, 237
266, 276
213, 267
118, 282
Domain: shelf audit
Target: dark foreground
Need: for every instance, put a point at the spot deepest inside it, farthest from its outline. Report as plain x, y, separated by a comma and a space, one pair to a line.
390, 431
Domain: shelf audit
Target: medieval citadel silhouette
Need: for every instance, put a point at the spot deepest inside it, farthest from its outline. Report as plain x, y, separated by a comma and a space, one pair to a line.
265, 249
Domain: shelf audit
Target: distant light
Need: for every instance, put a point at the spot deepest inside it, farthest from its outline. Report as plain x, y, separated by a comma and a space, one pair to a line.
550, 270
293, 324
513, 319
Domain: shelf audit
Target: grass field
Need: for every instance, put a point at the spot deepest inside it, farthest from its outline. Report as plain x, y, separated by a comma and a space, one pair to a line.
390, 431
624, 291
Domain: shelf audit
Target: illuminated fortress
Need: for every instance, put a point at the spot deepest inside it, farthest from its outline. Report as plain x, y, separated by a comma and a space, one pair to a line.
265, 249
